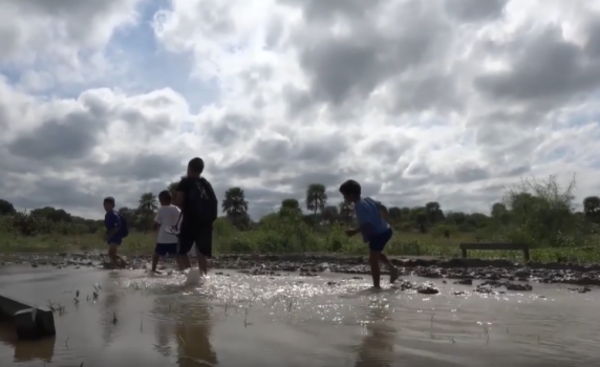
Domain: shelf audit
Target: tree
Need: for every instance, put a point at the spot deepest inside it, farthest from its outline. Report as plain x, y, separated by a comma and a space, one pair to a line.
433, 212
147, 206
330, 213
236, 206
346, 211
316, 198
421, 219
591, 206
6, 208
172, 187
290, 206
499, 213
395, 214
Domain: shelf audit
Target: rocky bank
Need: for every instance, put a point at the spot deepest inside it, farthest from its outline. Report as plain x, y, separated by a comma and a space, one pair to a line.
493, 273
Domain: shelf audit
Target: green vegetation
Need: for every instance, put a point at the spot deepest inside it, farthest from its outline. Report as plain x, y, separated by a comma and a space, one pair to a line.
539, 213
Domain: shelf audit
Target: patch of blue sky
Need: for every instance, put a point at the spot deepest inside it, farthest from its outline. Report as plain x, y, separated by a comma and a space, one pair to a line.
150, 67
147, 66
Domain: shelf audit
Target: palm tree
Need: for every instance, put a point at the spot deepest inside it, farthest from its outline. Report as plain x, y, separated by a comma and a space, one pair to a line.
147, 206
235, 204
316, 198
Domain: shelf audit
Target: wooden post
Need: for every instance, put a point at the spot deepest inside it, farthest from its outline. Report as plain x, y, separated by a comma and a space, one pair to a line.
526, 254
464, 253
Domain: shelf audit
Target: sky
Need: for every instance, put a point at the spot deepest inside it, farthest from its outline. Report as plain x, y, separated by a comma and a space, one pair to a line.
449, 101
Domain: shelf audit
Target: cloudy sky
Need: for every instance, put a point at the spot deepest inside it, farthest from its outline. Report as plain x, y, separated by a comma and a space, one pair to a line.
418, 100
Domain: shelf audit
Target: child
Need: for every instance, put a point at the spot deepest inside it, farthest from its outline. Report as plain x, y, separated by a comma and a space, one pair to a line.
375, 230
114, 234
166, 218
196, 197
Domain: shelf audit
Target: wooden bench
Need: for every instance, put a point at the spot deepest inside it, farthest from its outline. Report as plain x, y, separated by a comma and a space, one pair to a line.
495, 246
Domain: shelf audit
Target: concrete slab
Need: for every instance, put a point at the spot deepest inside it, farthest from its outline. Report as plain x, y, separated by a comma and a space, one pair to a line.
30, 322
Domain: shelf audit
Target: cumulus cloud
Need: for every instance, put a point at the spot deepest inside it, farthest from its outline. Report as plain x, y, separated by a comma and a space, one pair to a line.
418, 100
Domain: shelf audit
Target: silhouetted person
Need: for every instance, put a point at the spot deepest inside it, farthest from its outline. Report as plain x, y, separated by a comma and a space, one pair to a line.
199, 206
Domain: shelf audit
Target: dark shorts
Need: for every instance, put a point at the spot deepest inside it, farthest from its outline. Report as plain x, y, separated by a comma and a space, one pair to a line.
377, 242
201, 235
115, 241
165, 249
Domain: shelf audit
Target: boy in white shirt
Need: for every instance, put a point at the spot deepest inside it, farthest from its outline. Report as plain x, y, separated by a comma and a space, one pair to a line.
166, 217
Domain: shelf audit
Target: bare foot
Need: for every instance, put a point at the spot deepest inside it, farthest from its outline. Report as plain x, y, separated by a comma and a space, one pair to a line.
394, 275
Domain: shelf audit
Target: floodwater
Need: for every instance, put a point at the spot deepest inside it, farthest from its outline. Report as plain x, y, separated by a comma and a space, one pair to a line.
241, 320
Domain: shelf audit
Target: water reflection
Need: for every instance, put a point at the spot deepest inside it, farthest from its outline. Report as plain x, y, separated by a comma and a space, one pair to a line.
185, 323
26, 351
377, 347
109, 296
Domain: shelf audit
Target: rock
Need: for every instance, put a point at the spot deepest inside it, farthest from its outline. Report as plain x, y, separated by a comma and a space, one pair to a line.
518, 287
484, 289
580, 290
427, 288
464, 282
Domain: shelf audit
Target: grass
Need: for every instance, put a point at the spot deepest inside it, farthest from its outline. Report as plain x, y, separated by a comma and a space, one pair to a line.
402, 244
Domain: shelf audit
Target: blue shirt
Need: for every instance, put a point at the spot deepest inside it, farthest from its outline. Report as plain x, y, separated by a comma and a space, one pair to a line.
367, 211
112, 221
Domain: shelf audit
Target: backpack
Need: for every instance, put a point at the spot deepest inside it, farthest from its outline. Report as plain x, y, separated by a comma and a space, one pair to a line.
199, 204
124, 228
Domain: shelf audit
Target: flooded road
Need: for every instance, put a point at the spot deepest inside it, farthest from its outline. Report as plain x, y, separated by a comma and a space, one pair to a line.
331, 320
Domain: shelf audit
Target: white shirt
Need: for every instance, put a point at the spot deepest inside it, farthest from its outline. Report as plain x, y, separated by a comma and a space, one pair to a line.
167, 217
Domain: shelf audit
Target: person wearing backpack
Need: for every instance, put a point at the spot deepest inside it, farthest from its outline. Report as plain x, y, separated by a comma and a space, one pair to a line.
199, 206
116, 230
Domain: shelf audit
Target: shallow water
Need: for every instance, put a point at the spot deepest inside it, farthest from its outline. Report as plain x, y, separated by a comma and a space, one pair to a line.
242, 320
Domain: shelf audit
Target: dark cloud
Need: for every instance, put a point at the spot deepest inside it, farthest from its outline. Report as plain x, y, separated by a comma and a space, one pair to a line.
475, 10
345, 68
543, 67
72, 137
140, 167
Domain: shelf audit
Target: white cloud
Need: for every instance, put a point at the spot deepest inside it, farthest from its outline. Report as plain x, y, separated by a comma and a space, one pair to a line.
439, 100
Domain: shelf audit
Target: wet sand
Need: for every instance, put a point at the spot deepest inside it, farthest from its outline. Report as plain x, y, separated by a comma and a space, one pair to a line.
236, 319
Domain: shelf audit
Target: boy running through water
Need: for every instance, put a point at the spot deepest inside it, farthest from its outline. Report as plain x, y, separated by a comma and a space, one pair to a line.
114, 232
198, 202
166, 217
375, 230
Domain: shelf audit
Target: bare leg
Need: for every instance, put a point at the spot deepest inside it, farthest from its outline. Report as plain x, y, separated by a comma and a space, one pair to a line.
184, 262
375, 271
202, 265
394, 273
155, 263
114, 258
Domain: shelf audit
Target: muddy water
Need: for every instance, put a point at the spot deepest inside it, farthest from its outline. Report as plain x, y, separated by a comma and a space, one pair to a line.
241, 320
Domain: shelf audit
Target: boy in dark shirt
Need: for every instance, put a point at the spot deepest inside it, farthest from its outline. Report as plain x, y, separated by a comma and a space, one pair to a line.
198, 202
113, 238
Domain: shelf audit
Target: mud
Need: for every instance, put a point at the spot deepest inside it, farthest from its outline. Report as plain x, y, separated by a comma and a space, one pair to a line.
494, 273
